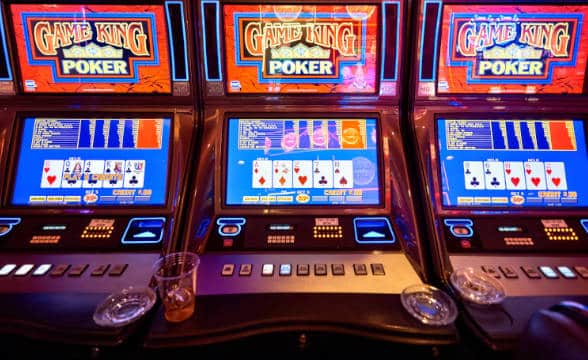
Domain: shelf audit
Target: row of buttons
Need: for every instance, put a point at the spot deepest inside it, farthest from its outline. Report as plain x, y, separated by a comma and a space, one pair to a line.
62, 269
535, 272
303, 269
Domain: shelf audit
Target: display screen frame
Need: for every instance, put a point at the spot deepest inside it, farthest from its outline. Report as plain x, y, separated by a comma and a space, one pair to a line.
17, 64
226, 64
505, 92
440, 116
381, 167
18, 136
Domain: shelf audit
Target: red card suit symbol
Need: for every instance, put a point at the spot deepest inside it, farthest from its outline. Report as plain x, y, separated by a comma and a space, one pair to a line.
302, 179
548, 171
261, 180
337, 171
508, 171
536, 181
276, 170
343, 181
296, 170
51, 179
282, 180
556, 181
529, 171
46, 169
515, 181
256, 170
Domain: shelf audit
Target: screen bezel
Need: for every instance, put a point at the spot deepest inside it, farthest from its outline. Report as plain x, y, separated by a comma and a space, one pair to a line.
225, 63
300, 116
536, 4
14, 157
19, 83
503, 116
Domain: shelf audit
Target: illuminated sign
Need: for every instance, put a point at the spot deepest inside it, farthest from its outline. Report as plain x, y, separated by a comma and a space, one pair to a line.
301, 48
512, 49
92, 48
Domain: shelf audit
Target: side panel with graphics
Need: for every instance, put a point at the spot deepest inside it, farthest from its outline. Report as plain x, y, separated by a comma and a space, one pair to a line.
301, 49
92, 48
512, 49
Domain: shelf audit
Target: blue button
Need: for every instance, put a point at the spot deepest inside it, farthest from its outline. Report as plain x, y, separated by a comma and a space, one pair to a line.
230, 226
373, 230
567, 272
144, 231
548, 272
584, 223
7, 224
461, 228
285, 270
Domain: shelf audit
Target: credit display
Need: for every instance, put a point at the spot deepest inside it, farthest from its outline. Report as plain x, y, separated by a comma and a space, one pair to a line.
525, 163
302, 162
78, 162
512, 49
301, 48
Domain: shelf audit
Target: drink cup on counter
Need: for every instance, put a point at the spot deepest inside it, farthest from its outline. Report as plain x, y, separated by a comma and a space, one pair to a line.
176, 275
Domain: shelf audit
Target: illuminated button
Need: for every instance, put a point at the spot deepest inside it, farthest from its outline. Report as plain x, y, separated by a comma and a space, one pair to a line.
491, 270
229, 230
303, 270
117, 270
227, 242
566, 272
42, 270
59, 270
77, 270
267, 270
582, 270
7, 269
245, 269
228, 270
100, 270
360, 269
531, 272
548, 272
461, 228
24, 269
508, 272
320, 269
584, 223
378, 269
285, 270
338, 269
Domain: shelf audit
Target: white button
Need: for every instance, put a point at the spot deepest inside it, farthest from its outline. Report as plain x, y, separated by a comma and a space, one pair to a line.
42, 270
548, 272
567, 272
228, 269
7, 269
23, 270
267, 270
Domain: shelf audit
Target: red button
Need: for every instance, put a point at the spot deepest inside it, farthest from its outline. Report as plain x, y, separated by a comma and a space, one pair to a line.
227, 243
229, 229
466, 244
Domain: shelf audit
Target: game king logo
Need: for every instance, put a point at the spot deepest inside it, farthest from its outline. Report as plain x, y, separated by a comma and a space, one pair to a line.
311, 46
91, 47
523, 48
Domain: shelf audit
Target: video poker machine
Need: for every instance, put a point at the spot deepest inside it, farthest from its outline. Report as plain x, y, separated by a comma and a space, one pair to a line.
500, 123
96, 131
300, 208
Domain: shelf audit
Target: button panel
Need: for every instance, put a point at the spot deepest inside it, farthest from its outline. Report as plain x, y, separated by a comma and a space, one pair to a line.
319, 270
59, 270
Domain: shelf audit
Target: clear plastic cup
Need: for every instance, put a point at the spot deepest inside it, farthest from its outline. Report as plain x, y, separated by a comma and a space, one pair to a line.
176, 275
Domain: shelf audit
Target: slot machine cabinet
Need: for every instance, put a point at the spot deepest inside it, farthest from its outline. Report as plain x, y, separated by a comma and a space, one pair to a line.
95, 145
500, 133
299, 208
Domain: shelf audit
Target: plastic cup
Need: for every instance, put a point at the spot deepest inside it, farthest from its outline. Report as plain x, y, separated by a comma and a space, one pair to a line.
176, 275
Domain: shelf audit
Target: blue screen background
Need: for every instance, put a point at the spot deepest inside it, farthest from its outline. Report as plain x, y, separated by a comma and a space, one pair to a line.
265, 141
33, 170
484, 145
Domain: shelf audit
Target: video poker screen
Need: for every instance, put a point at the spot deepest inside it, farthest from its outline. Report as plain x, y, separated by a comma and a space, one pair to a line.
510, 162
308, 161
92, 48
301, 48
92, 162
512, 49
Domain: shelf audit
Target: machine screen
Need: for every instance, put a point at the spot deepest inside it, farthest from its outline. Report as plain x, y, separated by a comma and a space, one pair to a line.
65, 48
302, 162
301, 48
105, 161
527, 163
